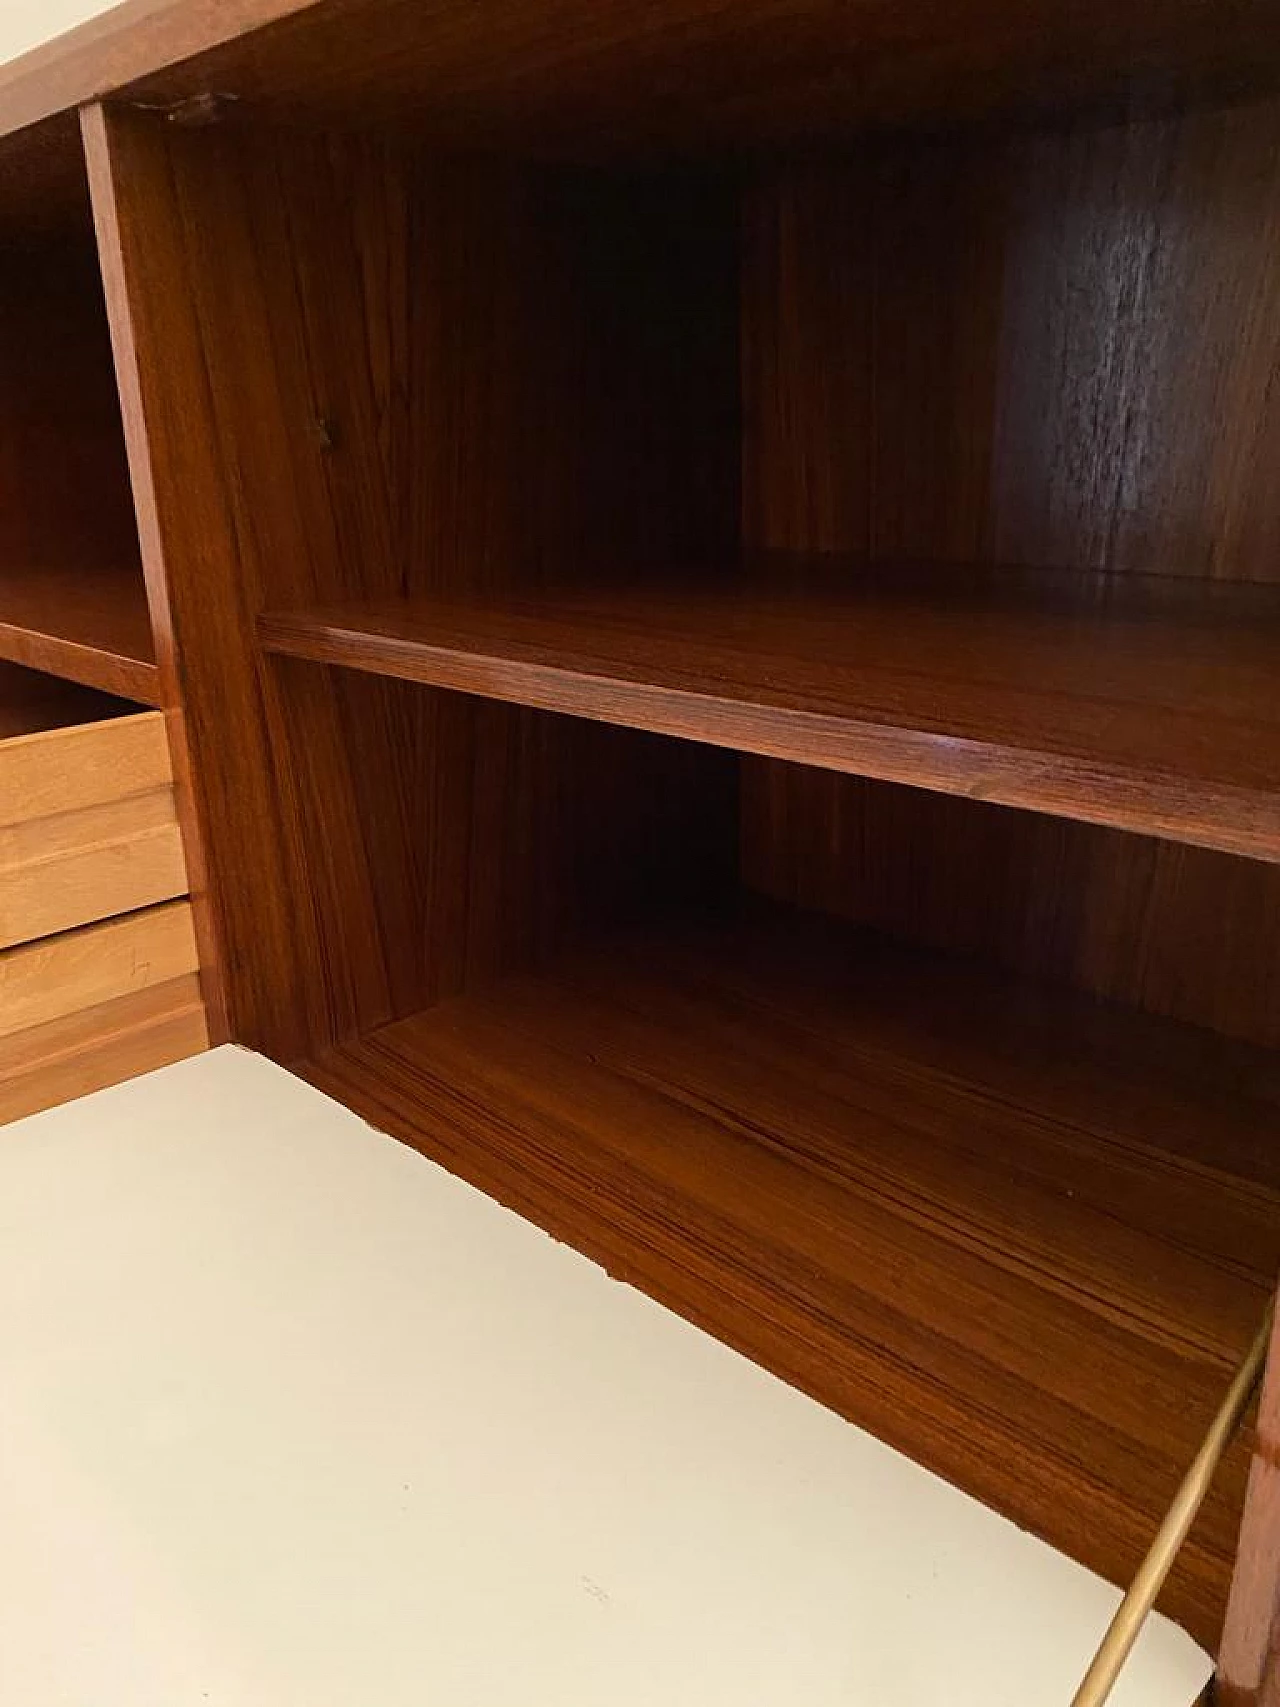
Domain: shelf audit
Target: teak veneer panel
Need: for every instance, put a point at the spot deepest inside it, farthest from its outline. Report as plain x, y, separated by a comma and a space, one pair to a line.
1054, 348
82, 622
1020, 1237
1175, 930
611, 74
513, 318
1058, 348
1161, 718
65, 974
99, 1046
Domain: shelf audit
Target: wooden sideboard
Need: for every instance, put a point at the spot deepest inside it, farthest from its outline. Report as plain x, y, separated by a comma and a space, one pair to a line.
711, 576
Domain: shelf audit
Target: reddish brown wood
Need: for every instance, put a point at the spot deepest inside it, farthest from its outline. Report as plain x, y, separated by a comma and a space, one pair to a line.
100, 182
71, 593
1021, 1238
1057, 347
43, 191
1162, 718
511, 320
1175, 930
588, 74
1249, 1668
85, 622
484, 410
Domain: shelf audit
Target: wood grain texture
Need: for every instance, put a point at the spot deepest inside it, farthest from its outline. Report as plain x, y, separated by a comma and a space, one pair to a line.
86, 622
524, 376
68, 832
1249, 1663
100, 183
1053, 347
63, 975
55, 771
587, 75
94, 880
1160, 717
1023, 1239
100, 1046
1178, 931
1019, 1237
485, 837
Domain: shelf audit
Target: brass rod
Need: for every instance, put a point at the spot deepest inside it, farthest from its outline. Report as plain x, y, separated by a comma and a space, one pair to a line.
1123, 1630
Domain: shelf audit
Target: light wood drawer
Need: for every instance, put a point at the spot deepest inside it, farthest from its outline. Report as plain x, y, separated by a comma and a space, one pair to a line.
60, 975
99, 1046
87, 825
99, 971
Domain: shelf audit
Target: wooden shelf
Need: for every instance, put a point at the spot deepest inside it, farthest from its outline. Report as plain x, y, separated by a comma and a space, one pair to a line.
1144, 703
1021, 1237
86, 624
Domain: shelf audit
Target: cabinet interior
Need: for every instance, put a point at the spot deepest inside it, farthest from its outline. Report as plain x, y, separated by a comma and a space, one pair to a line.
732, 701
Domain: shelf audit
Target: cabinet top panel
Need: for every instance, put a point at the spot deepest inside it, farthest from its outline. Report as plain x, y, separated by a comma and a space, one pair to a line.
634, 75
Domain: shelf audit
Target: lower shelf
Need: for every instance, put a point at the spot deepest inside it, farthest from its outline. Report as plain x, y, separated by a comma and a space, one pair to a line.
1020, 1237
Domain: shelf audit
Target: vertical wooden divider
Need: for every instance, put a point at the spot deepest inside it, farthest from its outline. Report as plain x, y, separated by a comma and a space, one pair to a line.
103, 193
350, 369
232, 278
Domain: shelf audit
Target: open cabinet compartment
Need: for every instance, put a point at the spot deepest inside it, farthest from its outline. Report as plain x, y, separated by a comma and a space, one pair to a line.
1021, 1235
72, 597
578, 561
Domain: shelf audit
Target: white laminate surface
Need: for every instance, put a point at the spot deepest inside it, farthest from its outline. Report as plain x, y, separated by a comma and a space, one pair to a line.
289, 1417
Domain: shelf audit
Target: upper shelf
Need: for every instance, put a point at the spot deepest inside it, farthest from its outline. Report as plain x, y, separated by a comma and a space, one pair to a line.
1149, 704
590, 75
84, 623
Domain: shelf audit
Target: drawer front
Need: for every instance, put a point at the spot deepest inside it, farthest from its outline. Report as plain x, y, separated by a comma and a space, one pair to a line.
49, 980
86, 1051
88, 828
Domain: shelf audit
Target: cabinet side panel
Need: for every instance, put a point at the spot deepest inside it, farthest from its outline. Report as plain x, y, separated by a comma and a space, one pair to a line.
236, 257
362, 372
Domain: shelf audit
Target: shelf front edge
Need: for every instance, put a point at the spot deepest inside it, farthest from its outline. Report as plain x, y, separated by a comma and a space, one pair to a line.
73, 661
1218, 816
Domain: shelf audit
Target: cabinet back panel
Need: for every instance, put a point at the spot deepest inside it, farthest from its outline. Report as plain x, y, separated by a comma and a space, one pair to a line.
1172, 929
1056, 349
64, 483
